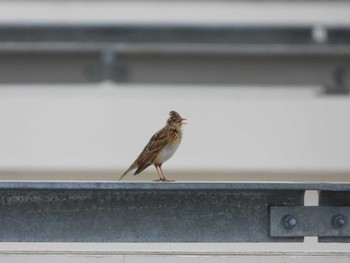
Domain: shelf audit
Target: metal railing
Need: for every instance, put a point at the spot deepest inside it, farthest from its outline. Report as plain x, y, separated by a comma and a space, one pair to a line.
172, 212
177, 54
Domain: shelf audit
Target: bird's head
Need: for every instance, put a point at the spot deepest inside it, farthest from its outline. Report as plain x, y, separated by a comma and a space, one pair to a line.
175, 120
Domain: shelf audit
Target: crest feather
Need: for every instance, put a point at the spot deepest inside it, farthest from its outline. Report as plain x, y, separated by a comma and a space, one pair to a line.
175, 114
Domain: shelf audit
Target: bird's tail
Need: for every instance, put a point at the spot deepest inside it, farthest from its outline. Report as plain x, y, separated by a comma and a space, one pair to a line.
133, 166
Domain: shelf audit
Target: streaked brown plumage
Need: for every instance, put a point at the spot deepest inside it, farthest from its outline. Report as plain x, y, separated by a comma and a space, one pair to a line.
160, 148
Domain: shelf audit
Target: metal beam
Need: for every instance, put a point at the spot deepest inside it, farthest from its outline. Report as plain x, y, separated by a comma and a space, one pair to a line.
129, 34
146, 212
176, 54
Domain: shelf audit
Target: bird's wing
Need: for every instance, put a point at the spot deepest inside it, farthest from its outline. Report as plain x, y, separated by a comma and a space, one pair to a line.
153, 148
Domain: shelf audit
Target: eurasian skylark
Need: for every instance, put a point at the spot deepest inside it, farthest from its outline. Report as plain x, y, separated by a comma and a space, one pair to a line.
160, 148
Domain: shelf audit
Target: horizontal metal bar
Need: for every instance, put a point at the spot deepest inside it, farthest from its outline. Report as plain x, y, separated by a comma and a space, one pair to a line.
156, 34
171, 48
159, 68
137, 33
125, 212
339, 35
174, 186
169, 212
300, 221
218, 55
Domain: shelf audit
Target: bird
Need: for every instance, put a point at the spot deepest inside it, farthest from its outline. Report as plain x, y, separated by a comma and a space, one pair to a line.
160, 148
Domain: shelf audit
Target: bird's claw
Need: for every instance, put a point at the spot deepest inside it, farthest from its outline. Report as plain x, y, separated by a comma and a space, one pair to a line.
163, 180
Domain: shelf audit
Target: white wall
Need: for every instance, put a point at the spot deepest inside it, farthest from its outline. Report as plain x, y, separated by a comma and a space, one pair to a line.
85, 128
105, 127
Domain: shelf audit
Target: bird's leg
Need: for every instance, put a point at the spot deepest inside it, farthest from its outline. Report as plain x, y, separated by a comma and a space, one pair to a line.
159, 173
163, 177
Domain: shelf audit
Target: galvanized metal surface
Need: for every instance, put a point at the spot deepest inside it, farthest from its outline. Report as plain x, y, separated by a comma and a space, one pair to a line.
322, 221
112, 185
147, 212
134, 33
334, 198
170, 33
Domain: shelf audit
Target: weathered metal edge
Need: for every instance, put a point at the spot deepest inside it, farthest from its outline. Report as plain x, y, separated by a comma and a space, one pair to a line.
175, 186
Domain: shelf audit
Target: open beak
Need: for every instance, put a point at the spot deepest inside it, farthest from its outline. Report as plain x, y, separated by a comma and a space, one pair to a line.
182, 121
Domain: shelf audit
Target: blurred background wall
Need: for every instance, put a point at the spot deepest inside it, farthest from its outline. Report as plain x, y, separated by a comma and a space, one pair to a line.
264, 85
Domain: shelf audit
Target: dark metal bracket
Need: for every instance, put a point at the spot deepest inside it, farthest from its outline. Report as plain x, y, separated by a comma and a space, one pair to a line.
300, 221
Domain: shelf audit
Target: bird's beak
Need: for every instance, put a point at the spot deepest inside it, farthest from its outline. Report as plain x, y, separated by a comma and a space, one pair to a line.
182, 121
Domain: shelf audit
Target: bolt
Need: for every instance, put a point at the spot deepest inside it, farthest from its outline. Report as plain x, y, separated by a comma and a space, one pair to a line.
289, 221
338, 221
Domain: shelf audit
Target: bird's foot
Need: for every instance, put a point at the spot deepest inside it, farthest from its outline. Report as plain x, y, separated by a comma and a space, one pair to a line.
164, 180
168, 181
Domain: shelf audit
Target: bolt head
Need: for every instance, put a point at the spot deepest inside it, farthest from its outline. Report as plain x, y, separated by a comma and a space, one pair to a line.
338, 221
289, 221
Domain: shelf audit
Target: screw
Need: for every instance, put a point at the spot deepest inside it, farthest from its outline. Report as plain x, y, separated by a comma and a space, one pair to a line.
338, 221
289, 221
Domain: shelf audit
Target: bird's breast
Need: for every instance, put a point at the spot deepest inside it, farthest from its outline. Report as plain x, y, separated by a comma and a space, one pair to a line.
166, 153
